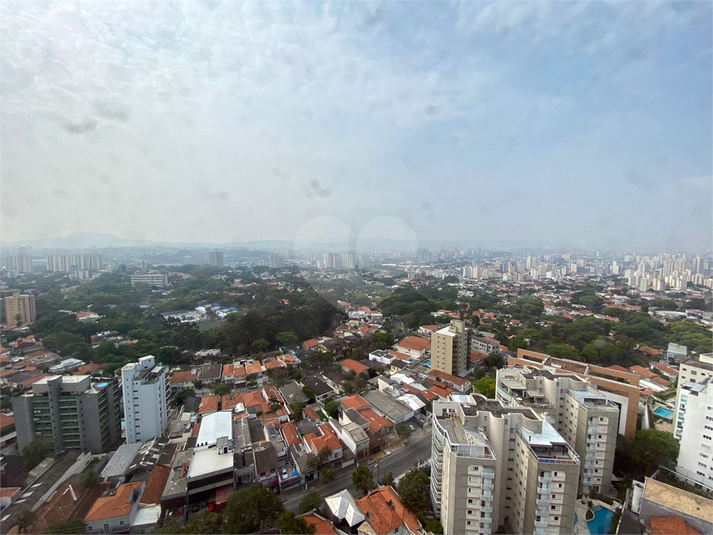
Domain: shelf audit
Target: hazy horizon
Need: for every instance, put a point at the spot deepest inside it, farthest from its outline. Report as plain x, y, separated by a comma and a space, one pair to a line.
569, 124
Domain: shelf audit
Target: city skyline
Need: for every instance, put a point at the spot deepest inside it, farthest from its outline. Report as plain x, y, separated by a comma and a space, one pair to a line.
578, 125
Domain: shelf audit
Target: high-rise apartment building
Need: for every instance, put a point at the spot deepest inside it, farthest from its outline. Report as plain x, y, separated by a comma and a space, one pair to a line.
19, 308
275, 261
71, 410
145, 390
159, 280
582, 414
619, 387
493, 465
216, 258
65, 263
692, 370
695, 407
450, 348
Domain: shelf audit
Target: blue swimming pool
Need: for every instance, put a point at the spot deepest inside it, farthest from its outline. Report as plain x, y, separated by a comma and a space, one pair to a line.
601, 523
664, 413
427, 363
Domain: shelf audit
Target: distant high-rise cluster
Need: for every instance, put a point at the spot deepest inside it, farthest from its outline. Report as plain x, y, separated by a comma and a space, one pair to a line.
20, 263
216, 258
343, 261
65, 263
668, 270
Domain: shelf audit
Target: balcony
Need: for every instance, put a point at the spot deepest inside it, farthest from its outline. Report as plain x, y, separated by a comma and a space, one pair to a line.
488, 486
545, 480
543, 502
488, 475
540, 524
486, 509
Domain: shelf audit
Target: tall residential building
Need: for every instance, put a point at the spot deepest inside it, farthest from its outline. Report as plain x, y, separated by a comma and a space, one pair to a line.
145, 391
693, 370
275, 261
20, 263
73, 411
583, 415
19, 308
493, 466
695, 407
216, 258
449, 348
64, 262
619, 387
159, 280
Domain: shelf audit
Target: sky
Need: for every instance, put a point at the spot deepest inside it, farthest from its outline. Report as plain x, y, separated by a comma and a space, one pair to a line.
561, 123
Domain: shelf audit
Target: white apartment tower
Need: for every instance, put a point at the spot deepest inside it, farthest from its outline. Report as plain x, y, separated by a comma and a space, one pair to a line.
692, 370
585, 417
695, 462
145, 390
450, 348
493, 466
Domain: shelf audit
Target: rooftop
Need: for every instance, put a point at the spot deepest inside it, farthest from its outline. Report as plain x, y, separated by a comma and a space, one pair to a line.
385, 512
120, 504
678, 500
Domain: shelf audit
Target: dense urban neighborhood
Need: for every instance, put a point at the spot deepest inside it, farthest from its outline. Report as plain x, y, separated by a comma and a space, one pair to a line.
376, 392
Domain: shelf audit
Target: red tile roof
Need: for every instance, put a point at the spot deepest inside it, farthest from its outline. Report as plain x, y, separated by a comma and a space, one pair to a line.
385, 512
670, 525
229, 401
156, 484
322, 525
310, 414
90, 368
184, 377
6, 421
355, 402
310, 344
291, 435
227, 369
414, 342
651, 351
253, 399
447, 377
618, 368
376, 422
208, 404
113, 506
664, 368
643, 372
353, 365
255, 367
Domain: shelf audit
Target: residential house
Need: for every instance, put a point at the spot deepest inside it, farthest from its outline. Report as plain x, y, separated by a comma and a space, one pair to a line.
458, 383
354, 366
386, 515
116, 512
319, 387
413, 346
183, 380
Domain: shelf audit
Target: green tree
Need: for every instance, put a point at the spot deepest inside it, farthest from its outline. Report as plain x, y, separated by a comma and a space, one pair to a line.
413, 490
363, 479
260, 345
381, 340
290, 523
403, 430
287, 338
66, 527
222, 389
494, 361
310, 502
434, 526
252, 509
485, 386
327, 475
182, 395
332, 408
307, 391
388, 479
320, 459
656, 447
25, 520
90, 479
36, 451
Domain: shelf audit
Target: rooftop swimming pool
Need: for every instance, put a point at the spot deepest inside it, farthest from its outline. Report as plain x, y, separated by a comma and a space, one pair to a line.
664, 413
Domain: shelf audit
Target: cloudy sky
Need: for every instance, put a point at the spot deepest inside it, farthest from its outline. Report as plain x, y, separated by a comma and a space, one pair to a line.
564, 123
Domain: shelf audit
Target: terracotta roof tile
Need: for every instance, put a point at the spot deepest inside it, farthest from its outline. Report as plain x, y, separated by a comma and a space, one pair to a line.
156, 484
385, 512
113, 506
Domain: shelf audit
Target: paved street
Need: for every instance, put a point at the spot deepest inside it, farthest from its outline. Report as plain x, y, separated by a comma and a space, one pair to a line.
418, 450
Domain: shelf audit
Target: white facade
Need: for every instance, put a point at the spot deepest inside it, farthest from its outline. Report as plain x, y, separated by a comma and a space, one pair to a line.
145, 390
691, 371
695, 460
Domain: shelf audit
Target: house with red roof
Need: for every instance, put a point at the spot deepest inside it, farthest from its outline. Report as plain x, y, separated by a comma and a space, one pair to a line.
310, 345
184, 379
385, 514
414, 346
453, 381
115, 512
353, 365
